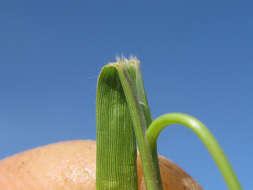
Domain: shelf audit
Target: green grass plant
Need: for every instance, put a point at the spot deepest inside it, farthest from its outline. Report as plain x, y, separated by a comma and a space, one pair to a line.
124, 118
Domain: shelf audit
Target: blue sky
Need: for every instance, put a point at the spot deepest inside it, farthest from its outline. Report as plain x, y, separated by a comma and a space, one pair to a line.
197, 58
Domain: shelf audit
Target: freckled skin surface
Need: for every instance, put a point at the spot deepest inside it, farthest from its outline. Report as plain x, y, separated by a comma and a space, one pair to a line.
71, 165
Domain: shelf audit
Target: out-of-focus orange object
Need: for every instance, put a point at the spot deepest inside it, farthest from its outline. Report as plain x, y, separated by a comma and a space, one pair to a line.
71, 165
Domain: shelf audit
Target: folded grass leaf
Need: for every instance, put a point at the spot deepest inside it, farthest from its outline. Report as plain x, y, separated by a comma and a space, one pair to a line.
116, 144
122, 113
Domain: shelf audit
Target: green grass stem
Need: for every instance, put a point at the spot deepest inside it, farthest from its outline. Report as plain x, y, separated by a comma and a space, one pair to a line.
205, 136
141, 118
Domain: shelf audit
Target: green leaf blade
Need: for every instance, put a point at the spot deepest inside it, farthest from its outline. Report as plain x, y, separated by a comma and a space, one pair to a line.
116, 144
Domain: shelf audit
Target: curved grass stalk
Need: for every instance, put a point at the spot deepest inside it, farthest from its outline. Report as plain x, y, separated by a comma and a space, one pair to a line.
203, 133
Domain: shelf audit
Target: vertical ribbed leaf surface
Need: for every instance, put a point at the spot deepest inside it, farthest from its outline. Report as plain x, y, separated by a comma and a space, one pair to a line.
116, 143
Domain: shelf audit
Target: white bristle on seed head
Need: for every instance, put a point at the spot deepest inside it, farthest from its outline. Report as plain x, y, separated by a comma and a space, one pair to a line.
122, 59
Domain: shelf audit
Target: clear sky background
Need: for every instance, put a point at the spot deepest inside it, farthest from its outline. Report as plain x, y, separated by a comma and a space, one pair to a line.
197, 58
